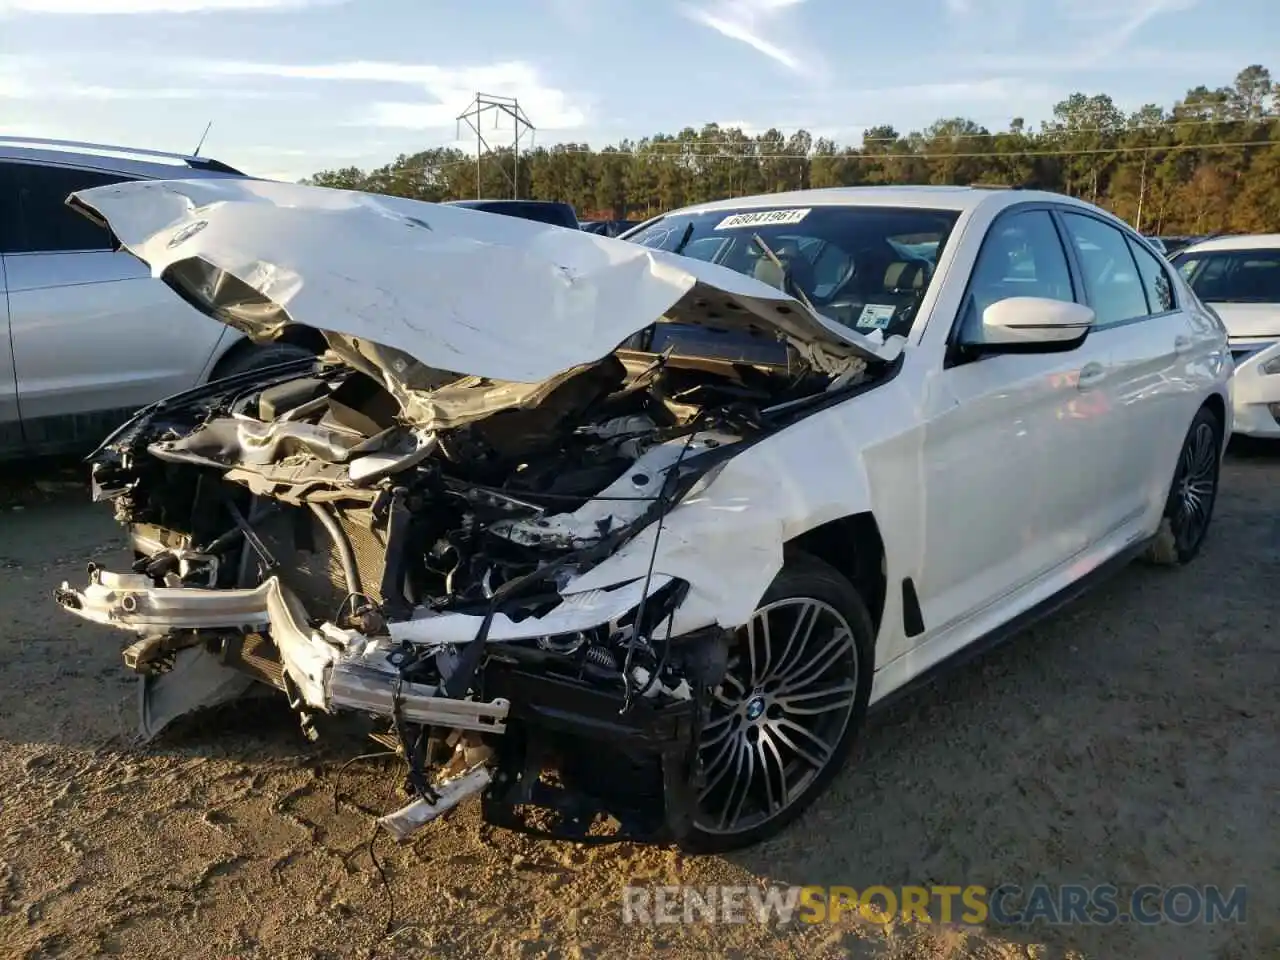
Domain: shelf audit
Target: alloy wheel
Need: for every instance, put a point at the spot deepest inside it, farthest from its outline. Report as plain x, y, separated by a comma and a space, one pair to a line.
1195, 487
779, 716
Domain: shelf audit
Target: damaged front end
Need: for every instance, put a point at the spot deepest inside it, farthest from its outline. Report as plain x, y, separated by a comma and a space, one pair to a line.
374, 535
291, 529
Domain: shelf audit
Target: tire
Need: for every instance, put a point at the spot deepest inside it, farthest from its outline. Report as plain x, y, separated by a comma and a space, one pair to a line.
1192, 494
247, 356
752, 729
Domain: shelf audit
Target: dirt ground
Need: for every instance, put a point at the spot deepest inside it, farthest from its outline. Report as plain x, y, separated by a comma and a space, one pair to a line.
1132, 739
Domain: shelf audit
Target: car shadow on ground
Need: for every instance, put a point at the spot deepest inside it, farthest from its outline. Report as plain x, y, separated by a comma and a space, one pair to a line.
1253, 448
38, 481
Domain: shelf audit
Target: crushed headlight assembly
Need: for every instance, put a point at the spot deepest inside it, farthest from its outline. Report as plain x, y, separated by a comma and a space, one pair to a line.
576, 613
633, 648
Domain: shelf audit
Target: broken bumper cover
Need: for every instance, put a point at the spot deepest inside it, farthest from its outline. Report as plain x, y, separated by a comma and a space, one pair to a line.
324, 668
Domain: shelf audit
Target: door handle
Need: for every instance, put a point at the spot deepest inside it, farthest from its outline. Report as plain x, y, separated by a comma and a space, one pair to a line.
1181, 343
1090, 375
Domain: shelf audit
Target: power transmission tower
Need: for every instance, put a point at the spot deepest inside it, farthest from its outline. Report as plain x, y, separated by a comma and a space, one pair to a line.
510, 106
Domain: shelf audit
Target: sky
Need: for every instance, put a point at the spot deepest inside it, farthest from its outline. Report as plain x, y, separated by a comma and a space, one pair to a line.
296, 86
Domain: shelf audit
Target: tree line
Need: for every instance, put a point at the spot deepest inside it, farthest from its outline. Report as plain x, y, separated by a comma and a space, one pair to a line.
1209, 164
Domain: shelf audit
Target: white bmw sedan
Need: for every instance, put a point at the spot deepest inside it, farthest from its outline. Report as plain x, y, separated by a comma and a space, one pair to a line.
662, 515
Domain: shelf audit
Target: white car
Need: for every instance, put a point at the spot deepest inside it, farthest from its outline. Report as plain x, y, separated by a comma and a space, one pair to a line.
1239, 278
532, 513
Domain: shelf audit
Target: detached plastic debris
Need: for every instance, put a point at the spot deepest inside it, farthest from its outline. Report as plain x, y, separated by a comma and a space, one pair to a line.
405, 821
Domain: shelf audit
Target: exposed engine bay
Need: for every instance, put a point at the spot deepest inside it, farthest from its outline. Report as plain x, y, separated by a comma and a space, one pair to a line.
294, 528
451, 526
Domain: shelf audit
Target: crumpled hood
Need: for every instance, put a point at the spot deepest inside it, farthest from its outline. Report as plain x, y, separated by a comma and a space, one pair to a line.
1248, 320
402, 283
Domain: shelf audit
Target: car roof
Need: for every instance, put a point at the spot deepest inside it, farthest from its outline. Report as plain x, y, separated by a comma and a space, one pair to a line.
958, 198
1248, 241
508, 201
153, 164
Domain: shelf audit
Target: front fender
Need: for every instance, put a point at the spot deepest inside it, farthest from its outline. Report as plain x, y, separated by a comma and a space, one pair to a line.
727, 537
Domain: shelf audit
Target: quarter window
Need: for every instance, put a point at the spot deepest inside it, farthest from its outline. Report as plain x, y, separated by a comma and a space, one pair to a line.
1022, 256
1155, 280
1111, 277
45, 223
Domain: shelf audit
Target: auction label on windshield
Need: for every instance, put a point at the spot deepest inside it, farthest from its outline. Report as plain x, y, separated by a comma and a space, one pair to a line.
764, 218
876, 316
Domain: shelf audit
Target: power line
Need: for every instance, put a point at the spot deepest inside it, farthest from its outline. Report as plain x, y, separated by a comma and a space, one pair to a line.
1266, 118
1071, 131
986, 155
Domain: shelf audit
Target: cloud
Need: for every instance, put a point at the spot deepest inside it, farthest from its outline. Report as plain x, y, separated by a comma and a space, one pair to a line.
14, 84
577, 16
448, 90
1132, 17
753, 22
109, 7
47, 80
748, 129
1070, 35
992, 89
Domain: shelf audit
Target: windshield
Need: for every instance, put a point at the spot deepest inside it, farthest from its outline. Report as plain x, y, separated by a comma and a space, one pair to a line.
1232, 276
865, 267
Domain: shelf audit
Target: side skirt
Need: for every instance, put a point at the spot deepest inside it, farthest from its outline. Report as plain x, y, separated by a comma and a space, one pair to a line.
1014, 626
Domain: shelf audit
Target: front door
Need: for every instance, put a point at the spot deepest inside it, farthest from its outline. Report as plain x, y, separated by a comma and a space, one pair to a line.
1013, 444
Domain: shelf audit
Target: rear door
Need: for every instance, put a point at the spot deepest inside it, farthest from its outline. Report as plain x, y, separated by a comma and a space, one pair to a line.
94, 336
1151, 386
10, 424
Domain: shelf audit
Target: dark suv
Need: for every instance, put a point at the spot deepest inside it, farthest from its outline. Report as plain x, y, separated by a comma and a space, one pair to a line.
544, 211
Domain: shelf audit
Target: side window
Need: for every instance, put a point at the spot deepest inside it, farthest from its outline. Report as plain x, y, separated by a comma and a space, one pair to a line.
1155, 280
1110, 274
46, 223
1257, 279
1022, 256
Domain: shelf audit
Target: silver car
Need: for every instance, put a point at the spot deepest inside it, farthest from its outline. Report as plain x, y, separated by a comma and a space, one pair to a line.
87, 336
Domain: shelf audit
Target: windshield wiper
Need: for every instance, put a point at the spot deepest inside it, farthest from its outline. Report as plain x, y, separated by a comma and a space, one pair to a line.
788, 284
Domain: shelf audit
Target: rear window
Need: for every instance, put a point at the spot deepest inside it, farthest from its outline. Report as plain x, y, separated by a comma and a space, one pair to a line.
1232, 276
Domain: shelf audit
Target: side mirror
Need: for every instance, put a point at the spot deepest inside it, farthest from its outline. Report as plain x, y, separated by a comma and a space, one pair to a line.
1032, 325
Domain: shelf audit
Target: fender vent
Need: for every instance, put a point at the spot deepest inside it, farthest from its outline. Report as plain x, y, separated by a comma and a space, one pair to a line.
912, 618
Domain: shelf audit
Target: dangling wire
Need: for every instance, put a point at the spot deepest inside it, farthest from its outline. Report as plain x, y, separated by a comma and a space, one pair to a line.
337, 777
664, 506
